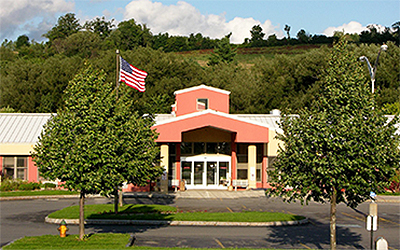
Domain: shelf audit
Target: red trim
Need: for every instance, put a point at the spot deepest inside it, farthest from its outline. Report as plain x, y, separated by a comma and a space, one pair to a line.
178, 161
264, 176
233, 157
246, 132
32, 170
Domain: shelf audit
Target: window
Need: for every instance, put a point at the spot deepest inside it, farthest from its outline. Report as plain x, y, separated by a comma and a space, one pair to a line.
15, 167
202, 104
186, 148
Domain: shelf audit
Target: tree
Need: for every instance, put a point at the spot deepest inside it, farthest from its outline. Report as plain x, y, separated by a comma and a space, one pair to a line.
223, 52
22, 41
100, 26
66, 26
287, 29
129, 35
257, 36
341, 148
96, 142
303, 37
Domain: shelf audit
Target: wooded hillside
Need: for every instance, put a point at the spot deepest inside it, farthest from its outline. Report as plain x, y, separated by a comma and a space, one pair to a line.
286, 74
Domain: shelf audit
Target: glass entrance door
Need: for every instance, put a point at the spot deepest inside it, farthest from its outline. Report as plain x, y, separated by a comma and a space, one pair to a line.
205, 172
211, 173
198, 172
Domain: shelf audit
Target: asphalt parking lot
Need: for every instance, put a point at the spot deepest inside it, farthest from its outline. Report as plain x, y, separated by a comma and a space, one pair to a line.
26, 217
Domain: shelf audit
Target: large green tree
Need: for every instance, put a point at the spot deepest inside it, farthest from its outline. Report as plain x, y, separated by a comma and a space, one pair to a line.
223, 52
96, 142
342, 147
66, 26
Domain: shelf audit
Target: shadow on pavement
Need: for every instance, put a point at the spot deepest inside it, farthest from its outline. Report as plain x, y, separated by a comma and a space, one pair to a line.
315, 235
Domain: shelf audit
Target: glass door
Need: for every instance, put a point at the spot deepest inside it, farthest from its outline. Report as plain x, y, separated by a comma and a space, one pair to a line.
212, 173
205, 171
187, 172
223, 172
198, 172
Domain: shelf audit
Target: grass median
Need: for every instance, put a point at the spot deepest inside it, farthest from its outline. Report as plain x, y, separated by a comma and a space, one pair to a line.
95, 241
168, 213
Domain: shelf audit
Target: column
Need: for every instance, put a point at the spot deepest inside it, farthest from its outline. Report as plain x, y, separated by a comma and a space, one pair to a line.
264, 174
252, 163
164, 153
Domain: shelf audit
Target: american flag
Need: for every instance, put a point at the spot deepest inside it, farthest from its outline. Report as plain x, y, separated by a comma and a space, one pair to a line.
132, 76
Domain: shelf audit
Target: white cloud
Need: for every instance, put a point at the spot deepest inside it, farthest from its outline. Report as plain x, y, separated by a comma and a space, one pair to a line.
351, 28
30, 17
184, 19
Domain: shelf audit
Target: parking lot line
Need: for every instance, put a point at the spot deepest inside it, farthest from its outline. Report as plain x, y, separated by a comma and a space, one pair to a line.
219, 243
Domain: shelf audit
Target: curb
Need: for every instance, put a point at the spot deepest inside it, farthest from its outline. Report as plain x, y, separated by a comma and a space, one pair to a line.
379, 199
179, 223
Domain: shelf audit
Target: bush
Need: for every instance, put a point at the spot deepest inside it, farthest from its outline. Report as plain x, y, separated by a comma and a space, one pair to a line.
29, 186
11, 185
49, 185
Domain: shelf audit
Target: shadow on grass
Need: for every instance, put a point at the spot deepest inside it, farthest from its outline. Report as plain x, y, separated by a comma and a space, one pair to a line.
132, 212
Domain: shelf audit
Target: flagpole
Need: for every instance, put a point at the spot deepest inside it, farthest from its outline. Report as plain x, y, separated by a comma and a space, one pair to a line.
117, 74
117, 192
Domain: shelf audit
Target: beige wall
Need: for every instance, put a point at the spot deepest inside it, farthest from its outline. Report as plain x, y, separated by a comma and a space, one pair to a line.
15, 149
252, 161
273, 144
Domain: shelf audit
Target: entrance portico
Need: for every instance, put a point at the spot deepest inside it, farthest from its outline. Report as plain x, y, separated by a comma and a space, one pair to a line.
208, 148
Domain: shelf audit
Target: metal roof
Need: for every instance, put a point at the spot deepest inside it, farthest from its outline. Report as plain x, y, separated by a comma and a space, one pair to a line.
21, 127
26, 127
271, 121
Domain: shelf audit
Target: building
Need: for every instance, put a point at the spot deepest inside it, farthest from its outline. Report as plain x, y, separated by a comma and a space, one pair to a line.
18, 134
201, 143
209, 148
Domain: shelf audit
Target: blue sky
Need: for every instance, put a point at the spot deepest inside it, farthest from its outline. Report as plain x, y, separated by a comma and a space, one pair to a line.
211, 18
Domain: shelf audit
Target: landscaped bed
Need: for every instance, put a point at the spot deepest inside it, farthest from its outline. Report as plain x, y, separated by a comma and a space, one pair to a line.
95, 241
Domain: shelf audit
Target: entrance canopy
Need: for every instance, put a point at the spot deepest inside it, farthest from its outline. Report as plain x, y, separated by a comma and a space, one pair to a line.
246, 131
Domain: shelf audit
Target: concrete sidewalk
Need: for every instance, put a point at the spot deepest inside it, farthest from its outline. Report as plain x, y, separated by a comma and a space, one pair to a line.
199, 194
189, 194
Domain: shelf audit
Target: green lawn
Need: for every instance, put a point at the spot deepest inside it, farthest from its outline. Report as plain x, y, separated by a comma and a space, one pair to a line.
36, 193
95, 241
161, 212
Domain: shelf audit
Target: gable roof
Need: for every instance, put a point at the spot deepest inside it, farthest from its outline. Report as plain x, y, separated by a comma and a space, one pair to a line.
202, 87
246, 130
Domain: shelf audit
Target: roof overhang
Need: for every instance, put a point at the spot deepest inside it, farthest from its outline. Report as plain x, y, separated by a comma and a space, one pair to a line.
246, 131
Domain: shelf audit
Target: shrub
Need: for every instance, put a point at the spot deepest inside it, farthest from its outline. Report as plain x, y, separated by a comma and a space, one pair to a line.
10, 184
16, 184
29, 186
49, 185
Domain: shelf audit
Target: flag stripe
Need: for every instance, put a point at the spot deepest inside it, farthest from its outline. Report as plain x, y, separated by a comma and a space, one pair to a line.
132, 76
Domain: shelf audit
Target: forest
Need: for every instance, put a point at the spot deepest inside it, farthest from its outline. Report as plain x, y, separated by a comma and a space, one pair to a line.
262, 73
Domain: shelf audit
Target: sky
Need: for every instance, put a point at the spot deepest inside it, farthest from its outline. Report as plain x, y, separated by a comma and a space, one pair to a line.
213, 19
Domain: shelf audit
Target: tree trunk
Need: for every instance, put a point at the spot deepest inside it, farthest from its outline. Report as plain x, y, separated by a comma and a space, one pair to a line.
116, 200
81, 215
333, 220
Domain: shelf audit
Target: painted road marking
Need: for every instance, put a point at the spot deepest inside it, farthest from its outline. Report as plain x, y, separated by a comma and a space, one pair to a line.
230, 210
304, 245
363, 219
354, 217
219, 243
382, 219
